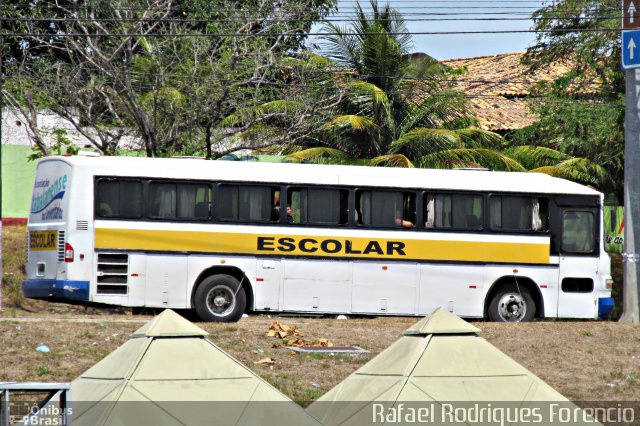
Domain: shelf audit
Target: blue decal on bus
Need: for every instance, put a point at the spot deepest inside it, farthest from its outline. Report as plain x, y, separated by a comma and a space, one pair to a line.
54, 192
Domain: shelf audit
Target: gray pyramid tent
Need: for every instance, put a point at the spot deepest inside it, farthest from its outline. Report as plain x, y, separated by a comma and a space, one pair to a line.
168, 373
439, 363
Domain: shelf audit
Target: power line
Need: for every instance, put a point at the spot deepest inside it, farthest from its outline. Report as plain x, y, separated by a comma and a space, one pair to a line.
306, 34
244, 20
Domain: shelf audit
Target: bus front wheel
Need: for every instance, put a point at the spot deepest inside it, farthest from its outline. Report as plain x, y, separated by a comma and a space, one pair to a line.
220, 298
512, 304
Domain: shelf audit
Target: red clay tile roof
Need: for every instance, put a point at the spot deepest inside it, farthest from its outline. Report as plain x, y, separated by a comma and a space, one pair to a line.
497, 87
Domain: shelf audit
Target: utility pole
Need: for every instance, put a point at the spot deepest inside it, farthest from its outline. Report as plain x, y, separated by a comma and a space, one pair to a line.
631, 254
631, 63
1, 141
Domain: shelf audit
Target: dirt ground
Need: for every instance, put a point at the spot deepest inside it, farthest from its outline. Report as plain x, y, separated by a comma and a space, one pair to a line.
585, 361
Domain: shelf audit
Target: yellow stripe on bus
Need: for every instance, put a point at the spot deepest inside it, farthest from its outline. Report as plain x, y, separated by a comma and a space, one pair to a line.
316, 246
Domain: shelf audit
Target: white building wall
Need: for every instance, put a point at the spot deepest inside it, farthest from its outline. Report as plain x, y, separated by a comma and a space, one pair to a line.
15, 130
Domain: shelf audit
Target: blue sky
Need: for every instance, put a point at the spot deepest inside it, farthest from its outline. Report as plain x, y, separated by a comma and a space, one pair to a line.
461, 15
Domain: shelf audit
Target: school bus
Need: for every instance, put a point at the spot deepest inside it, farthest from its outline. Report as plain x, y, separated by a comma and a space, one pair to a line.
225, 238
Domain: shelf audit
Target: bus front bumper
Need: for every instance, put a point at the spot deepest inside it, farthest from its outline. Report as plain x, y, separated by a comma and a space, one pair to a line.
60, 289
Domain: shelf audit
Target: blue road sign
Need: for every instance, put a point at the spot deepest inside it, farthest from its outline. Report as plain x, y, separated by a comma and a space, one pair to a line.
630, 49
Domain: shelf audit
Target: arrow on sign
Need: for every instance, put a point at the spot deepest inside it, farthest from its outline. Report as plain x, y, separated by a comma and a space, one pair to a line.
632, 49
631, 11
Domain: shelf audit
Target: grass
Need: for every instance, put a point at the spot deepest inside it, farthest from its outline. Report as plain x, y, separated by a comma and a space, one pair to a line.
13, 258
585, 361
608, 371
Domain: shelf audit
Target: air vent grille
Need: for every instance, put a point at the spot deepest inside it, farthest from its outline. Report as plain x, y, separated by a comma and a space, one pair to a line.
28, 247
82, 225
61, 241
113, 273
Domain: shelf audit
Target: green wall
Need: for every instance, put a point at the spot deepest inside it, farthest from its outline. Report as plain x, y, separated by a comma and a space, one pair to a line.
17, 180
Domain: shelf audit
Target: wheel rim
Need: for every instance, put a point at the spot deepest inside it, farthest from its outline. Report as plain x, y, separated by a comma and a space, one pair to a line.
512, 307
221, 300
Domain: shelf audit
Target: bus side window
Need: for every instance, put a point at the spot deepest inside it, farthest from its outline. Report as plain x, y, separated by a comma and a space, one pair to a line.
162, 197
318, 205
386, 208
119, 198
245, 203
275, 209
458, 211
409, 210
518, 213
578, 232
429, 210
178, 200
194, 201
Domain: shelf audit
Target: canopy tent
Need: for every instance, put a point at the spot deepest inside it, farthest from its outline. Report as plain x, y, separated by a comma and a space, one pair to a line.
168, 373
442, 363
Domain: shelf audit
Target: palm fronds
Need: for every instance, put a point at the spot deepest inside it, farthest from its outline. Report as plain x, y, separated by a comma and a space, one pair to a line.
479, 138
578, 170
422, 141
392, 160
470, 158
536, 156
312, 155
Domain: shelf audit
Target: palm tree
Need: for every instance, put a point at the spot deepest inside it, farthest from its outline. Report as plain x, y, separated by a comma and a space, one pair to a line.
555, 163
387, 116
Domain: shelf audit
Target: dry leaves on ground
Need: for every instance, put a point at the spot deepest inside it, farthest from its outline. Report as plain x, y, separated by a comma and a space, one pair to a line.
277, 329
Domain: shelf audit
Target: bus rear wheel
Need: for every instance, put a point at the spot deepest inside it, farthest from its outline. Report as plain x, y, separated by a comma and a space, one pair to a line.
220, 298
512, 304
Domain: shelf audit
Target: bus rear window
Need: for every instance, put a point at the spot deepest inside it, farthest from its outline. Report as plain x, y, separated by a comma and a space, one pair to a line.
118, 198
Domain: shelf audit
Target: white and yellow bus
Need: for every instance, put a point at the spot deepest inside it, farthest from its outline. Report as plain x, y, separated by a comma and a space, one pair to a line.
225, 238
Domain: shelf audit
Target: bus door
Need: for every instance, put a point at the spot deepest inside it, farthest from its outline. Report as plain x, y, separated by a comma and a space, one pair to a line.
579, 250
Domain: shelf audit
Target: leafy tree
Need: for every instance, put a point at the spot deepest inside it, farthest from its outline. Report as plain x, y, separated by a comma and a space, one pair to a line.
290, 118
389, 117
164, 71
582, 112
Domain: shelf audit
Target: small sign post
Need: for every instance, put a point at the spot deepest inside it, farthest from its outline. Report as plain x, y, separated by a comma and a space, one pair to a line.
630, 34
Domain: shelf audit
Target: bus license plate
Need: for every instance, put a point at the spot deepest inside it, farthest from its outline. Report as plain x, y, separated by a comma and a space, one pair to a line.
43, 240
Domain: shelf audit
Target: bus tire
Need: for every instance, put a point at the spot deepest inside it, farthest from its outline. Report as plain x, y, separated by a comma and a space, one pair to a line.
511, 304
220, 298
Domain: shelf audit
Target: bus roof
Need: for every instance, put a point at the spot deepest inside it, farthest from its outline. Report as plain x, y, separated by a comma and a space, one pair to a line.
200, 169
